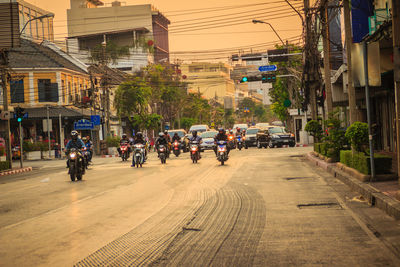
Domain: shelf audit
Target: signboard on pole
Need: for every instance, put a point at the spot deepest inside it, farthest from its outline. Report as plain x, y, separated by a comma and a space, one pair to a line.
45, 125
95, 119
83, 125
268, 68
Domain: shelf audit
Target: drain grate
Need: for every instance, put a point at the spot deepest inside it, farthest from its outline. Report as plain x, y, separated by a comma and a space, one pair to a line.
329, 205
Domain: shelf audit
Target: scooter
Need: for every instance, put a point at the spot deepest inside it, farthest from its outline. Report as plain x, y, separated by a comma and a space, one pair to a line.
222, 152
194, 151
177, 148
86, 157
231, 141
139, 154
124, 152
239, 142
162, 153
75, 164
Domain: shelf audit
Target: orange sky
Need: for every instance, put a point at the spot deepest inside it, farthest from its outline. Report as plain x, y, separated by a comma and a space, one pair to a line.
247, 34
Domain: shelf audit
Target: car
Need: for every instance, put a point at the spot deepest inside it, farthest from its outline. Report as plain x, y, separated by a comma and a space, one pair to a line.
279, 137
182, 134
242, 126
199, 128
251, 137
262, 138
208, 139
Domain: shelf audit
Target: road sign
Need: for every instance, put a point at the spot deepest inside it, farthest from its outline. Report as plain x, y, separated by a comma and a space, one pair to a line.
268, 68
83, 125
95, 119
167, 127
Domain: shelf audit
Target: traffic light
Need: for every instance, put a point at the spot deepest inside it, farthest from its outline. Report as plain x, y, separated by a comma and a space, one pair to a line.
268, 77
19, 113
244, 79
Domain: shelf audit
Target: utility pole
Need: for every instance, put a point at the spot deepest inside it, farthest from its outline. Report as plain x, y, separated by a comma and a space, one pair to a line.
327, 65
396, 71
351, 92
4, 79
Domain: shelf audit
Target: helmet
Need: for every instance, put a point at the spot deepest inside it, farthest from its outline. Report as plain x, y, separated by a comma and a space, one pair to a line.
221, 130
165, 132
175, 134
139, 135
161, 134
123, 136
84, 139
194, 133
238, 128
74, 135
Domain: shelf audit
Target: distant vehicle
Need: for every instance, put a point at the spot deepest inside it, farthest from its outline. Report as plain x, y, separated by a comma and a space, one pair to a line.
199, 128
251, 137
279, 137
262, 125
242, 126
208, 139
184, 139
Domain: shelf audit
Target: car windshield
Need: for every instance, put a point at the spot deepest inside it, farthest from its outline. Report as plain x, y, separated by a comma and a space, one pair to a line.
208, 134
252, 131
276, 130
180, 133
198, 128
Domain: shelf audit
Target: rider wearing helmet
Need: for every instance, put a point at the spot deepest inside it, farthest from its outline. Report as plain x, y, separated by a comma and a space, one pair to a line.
124, 142
75, 142
161, 140
221, 136
139, 140
176, 137
238, 132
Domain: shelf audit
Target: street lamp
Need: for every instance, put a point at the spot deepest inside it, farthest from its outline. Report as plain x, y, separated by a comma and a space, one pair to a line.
49, 15
260, 21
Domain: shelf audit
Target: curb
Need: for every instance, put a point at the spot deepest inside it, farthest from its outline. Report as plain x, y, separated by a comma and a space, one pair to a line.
375, 197
15, 171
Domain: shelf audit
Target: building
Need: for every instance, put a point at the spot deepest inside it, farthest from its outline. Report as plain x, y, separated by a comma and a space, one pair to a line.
212, 80
141, 30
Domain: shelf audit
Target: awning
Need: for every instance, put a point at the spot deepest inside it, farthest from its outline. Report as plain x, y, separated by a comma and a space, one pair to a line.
55, 111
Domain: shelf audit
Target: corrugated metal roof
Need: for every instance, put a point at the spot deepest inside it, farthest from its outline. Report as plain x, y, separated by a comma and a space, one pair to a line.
55, 111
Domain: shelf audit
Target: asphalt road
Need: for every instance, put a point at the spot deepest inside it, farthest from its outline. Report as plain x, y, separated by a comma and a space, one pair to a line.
265, 207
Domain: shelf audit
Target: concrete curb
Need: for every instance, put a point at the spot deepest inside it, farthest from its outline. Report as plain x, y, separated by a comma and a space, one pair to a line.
375, 197
15, 171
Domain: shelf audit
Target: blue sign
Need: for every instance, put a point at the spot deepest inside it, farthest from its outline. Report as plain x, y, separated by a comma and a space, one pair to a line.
83, 125
167, 127
95, 119
25, 116
133, 132
268, 68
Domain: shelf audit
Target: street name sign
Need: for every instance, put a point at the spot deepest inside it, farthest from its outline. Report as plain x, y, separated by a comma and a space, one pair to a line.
83, 125
268, 68
95, 119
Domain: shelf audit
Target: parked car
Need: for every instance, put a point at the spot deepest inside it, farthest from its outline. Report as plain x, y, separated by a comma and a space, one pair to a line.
251, 137
262, 138
208, 140
199, 128
279, 137
182, 134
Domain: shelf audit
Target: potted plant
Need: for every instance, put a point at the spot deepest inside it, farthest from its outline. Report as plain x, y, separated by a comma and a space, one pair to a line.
32, 151
112, 144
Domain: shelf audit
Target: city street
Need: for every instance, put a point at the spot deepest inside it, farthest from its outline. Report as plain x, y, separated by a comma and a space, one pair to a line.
265, 207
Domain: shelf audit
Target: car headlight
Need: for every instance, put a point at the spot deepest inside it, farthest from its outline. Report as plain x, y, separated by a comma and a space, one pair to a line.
275, 136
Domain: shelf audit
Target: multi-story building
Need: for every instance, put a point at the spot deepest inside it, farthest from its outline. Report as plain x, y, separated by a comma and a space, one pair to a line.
141, 29
212, 80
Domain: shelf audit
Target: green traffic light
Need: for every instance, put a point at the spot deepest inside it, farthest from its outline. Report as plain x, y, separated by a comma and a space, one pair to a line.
244, 79
19, 119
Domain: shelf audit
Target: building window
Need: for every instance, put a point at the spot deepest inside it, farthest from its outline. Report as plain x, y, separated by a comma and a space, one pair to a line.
17, 91
48, 92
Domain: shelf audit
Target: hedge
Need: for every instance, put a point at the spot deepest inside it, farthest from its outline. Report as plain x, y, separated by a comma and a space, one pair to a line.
4, 165
361, 162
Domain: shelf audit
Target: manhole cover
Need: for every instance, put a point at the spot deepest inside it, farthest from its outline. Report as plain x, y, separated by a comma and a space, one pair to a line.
329, 205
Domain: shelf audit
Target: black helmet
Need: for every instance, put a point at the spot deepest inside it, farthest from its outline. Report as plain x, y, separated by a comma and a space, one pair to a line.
139, 135
123, 136
74, 135
194, 133
221, 130
176, 134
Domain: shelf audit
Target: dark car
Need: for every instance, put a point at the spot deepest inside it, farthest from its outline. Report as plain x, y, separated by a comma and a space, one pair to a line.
251, 137
279, 137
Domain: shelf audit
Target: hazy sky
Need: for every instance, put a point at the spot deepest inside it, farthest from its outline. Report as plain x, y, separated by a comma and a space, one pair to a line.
186, 14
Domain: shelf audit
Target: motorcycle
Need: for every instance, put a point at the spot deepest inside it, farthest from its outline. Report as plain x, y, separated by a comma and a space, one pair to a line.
177, 148
139, 154
239, 142
194, 151
222, 152
162, 153
124, 152
75, 164
86, 157
231, 141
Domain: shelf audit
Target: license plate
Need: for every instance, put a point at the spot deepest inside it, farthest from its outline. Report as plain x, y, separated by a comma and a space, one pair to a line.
286, 141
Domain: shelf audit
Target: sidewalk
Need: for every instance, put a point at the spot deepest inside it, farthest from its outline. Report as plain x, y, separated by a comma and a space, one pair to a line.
379, 194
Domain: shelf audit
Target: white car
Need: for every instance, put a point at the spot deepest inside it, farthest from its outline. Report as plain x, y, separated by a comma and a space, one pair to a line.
199, 128
208, 139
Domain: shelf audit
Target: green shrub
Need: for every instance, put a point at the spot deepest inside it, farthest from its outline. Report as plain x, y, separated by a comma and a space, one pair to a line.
317, 147
314, 128
113, 141
323, 148
4, 165
361, 162
357, 135
2, 150
29, 146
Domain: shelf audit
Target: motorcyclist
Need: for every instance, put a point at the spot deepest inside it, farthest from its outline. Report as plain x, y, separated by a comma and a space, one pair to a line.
123, 142
238, 132
221, 136
139, 140
89, 146
75, 142
196, 138
176, 138
161, 140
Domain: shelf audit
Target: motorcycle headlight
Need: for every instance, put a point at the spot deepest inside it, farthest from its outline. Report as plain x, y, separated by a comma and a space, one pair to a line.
72, 155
